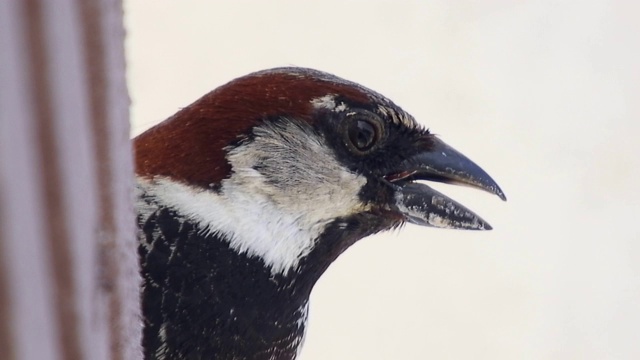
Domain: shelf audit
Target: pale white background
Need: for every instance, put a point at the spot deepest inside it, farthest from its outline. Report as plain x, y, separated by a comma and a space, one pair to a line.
544, 95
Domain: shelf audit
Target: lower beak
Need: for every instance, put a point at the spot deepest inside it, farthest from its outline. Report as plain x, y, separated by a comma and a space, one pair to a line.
422, 205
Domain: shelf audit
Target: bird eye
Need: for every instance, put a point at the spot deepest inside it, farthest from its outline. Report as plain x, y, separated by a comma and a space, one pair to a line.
363, 133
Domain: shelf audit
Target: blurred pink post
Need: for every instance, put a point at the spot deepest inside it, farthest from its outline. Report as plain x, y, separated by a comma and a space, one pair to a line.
68, 267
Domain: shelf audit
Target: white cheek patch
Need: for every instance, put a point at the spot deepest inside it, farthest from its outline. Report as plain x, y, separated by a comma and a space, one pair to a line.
297, 172
286, 186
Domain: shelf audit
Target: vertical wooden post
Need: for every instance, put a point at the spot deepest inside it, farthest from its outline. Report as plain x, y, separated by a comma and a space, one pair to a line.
68, 265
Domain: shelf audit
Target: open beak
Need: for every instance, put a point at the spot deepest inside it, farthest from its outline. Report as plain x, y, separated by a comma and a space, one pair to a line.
422, 205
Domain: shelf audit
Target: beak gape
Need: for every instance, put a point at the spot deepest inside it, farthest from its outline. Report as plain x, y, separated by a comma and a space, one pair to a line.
422, 205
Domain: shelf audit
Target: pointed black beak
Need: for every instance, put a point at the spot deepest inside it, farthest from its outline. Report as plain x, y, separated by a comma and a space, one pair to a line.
422, 205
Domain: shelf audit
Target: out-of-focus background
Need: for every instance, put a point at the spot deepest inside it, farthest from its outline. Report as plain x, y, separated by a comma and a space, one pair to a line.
545, 95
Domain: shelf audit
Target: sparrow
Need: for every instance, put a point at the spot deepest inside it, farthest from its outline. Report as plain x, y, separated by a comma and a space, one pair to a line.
245, 197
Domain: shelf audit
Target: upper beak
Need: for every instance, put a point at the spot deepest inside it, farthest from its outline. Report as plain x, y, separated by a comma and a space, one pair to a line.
422, 205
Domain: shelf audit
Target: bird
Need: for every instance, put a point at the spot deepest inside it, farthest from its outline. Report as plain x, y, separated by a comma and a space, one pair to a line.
245, 197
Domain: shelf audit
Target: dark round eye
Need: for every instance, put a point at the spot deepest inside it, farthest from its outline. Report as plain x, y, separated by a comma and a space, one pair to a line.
363, 134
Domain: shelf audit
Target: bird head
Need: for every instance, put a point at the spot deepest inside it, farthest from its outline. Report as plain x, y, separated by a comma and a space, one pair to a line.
293, 165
